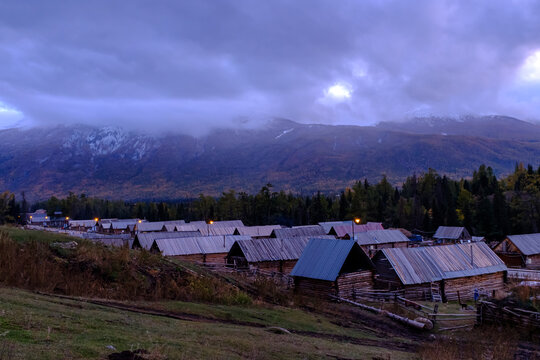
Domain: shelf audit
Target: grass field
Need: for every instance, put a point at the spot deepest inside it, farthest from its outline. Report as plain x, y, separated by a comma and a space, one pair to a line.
40, 327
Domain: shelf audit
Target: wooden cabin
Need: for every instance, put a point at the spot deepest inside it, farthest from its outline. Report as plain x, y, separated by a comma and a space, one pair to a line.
308, 230
270, 254
332, 268
346, 231
145, 240
452, 234
82, 225
432, 272
372, 241
520, 251
205, 249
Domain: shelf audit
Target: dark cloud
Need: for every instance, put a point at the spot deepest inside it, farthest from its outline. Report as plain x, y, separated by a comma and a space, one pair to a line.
193, 65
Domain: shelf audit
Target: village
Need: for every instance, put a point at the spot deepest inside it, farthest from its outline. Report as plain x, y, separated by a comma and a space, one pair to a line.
345, 261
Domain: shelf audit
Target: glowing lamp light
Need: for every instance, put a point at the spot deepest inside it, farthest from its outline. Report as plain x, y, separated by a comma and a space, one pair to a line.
96, 219
140, 221
357, 221
67, 217
210, 222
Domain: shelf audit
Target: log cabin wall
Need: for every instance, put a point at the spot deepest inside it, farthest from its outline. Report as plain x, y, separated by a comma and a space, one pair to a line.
418, 292
349, 282
218, 258
485, 283
192, 258
313, 287
533, 262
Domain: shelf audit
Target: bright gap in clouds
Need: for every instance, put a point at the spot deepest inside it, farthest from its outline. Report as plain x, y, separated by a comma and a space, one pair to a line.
530, 71
338, 91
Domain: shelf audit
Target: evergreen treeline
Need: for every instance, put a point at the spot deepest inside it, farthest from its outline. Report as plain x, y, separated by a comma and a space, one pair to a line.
485, 205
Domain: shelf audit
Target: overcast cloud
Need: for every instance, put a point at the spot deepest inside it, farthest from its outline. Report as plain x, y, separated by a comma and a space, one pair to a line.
193, 65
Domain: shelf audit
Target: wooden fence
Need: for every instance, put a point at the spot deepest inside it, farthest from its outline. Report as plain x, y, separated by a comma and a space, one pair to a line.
523, 320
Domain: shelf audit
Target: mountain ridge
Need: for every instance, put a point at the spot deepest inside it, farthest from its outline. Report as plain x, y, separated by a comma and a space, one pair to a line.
303, 158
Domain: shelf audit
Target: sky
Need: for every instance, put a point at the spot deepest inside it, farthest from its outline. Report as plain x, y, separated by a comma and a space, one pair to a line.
191, 66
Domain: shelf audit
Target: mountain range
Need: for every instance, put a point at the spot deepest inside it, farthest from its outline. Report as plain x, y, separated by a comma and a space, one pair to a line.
118, 163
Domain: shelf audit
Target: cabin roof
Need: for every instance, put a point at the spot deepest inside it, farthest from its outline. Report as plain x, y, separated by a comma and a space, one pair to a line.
434, 263
373, 237
527, 244
347, 229
310, 230
323, 259
265, 230
274, 249
197, 245
145, 240
449, 232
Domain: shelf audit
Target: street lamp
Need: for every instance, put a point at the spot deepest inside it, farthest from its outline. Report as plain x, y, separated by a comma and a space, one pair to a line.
208, 223
356, 221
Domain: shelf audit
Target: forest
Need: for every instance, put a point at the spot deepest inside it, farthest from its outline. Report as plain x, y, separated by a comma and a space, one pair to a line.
485, 205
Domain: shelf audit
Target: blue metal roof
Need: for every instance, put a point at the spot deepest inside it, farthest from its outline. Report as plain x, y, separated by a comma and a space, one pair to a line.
323, 259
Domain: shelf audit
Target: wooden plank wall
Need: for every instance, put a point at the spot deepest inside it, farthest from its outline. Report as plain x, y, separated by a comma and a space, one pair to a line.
484, 283
349, 282
313, 287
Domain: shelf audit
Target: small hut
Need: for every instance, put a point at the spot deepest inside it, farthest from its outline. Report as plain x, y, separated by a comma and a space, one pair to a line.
520, 251
452, 234
82, 225
332, 268
440, 272
145, 240
372, 241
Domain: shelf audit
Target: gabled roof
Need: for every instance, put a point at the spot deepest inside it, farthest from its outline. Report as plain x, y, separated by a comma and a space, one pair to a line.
310, 230
196, 245
327, 225
265, 230
157, 225
450, 232
274, 249
323, 259
434, 263
380, 237
527, 244
145, 240
343, 230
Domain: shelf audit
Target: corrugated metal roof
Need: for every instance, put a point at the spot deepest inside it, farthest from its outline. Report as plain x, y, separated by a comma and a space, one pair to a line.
311, 230
274, 249
87, 235
323, 259
343, 230
449, 232
327, 225
434, 263
197, 245
528, 244
380, 237
145, 240
150, 226
265, 230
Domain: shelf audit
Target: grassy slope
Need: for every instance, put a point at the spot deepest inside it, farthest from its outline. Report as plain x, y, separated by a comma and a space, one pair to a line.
82, 330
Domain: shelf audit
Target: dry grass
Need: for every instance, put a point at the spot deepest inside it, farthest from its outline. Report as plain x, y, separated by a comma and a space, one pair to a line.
92, 270
486, 343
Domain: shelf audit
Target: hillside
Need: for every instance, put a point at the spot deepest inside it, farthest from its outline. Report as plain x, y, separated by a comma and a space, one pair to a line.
112, 162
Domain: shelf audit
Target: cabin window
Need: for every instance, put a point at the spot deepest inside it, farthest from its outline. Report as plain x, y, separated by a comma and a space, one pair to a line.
529, 261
